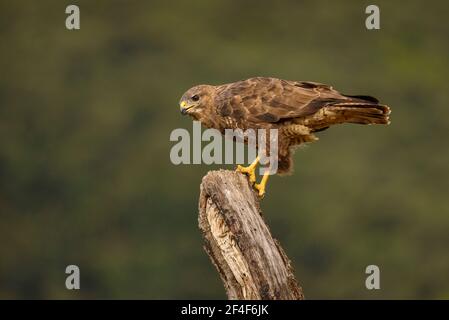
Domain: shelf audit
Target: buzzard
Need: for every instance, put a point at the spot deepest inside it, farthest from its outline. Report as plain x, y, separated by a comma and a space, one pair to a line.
298, 109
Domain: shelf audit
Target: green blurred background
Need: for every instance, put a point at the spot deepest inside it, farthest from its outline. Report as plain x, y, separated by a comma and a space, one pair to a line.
85, 119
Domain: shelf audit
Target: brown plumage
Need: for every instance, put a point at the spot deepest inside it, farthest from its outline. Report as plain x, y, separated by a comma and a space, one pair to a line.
298, 109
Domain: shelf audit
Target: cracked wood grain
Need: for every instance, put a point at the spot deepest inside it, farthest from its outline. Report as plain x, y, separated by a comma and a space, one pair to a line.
251, 263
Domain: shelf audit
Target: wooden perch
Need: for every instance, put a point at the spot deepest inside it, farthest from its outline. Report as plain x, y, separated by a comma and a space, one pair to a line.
250, 262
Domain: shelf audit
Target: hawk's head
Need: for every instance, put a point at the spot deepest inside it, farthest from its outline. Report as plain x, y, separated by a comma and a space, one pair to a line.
196, 100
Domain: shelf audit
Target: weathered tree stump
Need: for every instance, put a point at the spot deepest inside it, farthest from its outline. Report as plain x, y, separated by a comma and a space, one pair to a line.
250, 261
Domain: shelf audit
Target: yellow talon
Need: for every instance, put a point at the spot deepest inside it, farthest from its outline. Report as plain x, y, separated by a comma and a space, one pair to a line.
250, 170
262, 185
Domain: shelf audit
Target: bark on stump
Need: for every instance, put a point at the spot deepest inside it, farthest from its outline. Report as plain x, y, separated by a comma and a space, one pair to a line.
251, 263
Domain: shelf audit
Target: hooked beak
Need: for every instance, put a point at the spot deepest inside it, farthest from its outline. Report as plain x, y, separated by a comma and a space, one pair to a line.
183, 107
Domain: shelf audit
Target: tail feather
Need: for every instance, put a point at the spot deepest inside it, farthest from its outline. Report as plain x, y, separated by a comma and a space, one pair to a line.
361, 113
365, 99
350, 113
352, 109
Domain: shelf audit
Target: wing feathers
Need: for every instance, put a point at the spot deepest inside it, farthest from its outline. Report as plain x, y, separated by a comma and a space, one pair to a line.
272, 100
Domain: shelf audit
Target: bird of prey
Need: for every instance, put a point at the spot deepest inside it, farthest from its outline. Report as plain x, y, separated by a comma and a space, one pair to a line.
298, 109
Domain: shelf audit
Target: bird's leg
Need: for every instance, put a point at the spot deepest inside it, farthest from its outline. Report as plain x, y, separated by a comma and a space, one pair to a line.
263, 183
250, 170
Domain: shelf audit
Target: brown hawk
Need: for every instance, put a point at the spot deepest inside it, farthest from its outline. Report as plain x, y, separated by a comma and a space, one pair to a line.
298, 109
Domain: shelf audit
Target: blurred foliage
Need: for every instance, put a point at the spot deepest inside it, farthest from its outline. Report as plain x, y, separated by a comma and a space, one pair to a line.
85, 118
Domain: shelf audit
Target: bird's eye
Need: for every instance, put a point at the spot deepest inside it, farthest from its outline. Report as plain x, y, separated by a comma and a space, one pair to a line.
195, 98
